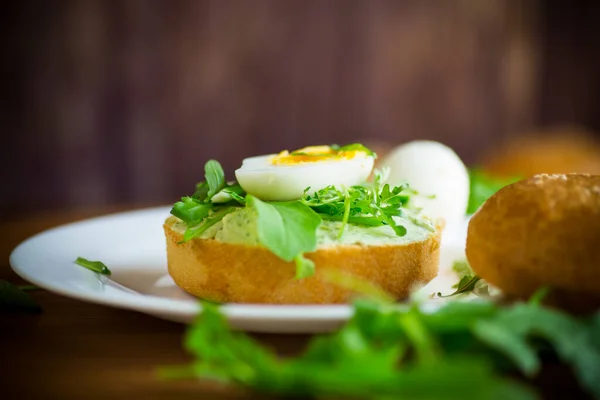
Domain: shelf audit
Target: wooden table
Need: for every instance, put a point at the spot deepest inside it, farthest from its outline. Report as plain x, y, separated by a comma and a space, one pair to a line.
82, 350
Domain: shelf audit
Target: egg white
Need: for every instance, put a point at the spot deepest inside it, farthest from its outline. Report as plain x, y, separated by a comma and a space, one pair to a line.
437, 173
258, 177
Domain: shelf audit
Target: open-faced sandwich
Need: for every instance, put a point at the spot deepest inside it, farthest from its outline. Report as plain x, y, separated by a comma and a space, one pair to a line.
293, 223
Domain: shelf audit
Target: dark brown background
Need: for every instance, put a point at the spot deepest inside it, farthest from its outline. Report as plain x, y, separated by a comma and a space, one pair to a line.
122, 102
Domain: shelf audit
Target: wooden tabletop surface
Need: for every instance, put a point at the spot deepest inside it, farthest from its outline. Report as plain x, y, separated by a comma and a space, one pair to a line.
75, 349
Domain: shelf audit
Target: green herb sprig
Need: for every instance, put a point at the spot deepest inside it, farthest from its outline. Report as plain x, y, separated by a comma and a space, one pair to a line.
465, 285
367, 205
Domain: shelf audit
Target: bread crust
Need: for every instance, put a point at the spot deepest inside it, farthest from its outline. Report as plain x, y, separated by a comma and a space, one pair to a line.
542, 231
237, 273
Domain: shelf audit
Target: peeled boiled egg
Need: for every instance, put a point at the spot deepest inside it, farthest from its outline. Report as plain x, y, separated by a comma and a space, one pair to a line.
285, 176
438, 175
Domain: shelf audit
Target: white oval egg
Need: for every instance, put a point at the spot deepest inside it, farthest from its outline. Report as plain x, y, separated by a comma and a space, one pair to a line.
437, 173
260, 178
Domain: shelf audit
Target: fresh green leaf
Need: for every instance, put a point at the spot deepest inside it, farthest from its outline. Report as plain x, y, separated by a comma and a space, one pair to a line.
191, 211
372, 356
503, 339
305, 267
287, 229
215, 177
466, 285
539, 295
212, 200
236, 193
483, 186
345, 216
15, 298
201, 192
211, 220
572, 339
399, 229
357, 147
426, 348
95, 266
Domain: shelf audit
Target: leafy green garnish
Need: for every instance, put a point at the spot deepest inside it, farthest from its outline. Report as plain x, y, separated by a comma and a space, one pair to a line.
95, 266
384, 351
234, 192
465, 285
483, 186
16, 298
369, 205
215, 177
199, 212
460, 351
191, 211
195, 231
468, 281
288, 229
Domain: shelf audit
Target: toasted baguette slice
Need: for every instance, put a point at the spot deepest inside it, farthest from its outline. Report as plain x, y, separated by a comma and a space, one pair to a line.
226, 272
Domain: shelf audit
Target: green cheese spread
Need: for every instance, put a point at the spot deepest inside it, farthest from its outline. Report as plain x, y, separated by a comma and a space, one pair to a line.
240, 227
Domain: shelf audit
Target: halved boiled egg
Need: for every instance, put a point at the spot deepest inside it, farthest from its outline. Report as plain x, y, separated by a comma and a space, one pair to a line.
285, 176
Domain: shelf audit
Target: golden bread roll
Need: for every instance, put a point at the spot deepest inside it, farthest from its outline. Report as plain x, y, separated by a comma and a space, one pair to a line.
556, 152
541, 232
226, 272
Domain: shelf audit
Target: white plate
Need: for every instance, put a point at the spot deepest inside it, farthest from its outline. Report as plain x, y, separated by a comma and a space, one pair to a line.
132, 245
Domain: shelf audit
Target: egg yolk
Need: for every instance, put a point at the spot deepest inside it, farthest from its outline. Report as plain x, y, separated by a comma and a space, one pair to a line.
313, 154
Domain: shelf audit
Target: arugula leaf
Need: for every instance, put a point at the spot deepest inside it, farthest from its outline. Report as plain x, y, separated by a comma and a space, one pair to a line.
287, 229
191, 211
510, 344
399, 229
212, 200
13, 297
572, 339
192, 232
483, 186
201, 192
230, 192
346, 215
215, 177
95, 266
386, 351
465, 285
382, 352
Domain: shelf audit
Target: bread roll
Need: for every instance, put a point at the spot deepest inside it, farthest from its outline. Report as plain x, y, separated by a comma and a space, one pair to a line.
542, 231
226, 272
